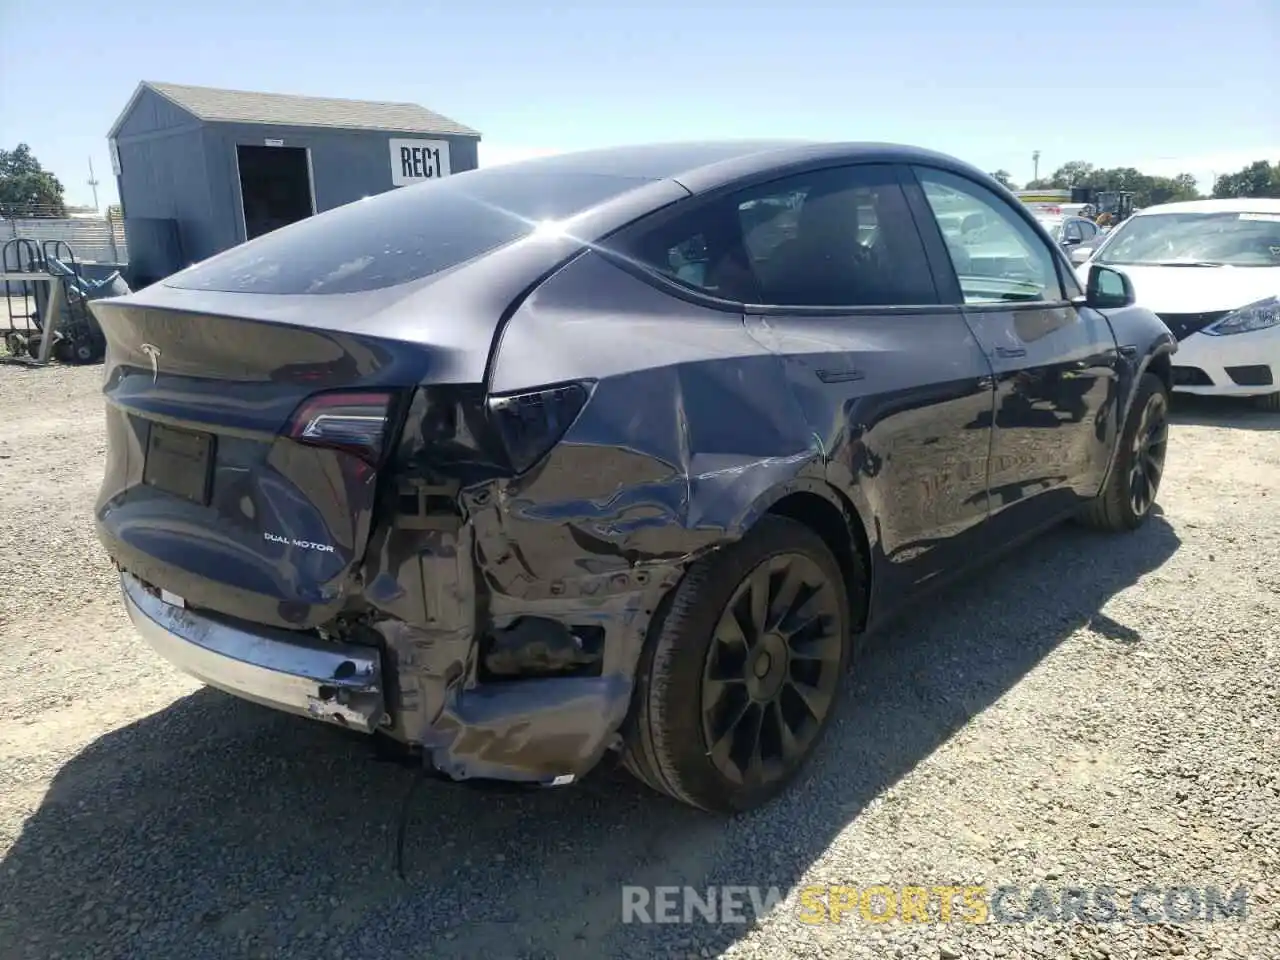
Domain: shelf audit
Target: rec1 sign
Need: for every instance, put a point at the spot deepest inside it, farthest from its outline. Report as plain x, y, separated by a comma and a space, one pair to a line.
413, 161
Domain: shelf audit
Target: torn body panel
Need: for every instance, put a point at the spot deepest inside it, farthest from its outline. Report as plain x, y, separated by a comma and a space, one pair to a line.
671, 457
436, 615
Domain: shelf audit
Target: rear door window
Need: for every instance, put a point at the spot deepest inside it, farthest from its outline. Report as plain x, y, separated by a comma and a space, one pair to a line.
830, 238
403, 235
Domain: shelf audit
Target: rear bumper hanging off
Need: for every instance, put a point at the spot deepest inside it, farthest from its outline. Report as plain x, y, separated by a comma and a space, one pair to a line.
336, 682
546, 731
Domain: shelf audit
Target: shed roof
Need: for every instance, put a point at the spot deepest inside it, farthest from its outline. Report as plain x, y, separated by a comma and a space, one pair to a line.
289, 110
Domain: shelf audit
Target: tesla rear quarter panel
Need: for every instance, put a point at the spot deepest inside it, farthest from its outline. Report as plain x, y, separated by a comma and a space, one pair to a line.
703, 418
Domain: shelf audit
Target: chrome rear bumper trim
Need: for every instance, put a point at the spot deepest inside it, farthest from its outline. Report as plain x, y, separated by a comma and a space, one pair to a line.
334, 682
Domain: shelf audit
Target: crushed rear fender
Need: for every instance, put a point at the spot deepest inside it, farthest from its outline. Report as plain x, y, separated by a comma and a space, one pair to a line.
680, 448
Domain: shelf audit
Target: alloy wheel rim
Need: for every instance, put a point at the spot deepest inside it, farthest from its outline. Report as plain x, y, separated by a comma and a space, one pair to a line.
771, 672
1149, 444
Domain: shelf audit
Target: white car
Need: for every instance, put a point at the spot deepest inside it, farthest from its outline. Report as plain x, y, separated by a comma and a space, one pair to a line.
1211, 270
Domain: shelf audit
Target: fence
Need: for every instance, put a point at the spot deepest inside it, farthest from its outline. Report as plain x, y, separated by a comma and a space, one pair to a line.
90, 238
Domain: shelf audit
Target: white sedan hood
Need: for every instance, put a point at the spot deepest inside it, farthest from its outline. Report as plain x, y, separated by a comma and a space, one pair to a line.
1197, 289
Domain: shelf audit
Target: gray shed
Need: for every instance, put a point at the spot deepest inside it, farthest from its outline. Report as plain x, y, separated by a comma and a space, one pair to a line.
200, 170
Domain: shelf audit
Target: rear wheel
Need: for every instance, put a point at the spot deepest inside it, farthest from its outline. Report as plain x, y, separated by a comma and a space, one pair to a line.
737, 687
1126, 501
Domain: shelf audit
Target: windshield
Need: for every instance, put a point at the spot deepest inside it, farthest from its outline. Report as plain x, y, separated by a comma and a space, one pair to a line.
1195, 239
403, 235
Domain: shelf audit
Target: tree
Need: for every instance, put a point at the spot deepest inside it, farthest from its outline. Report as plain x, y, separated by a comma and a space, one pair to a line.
1002, 177
26, 188
1168, 190
1258, 179
1146, 189
1075, 173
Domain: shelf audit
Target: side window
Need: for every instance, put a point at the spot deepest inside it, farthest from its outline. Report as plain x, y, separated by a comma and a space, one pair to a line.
1005, 260
1088, 229
831, 238
1072, 231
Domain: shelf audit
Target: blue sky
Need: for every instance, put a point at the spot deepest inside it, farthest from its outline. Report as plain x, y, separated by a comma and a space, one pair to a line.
1165, 86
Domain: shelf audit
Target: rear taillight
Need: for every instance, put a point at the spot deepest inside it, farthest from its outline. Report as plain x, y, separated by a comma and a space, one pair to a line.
356, 422
530, 424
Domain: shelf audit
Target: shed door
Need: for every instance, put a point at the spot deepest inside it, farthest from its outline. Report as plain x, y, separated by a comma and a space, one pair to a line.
275, 187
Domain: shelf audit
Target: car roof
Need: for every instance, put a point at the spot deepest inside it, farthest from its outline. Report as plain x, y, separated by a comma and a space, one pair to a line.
651, 161
1233, 205
703, 164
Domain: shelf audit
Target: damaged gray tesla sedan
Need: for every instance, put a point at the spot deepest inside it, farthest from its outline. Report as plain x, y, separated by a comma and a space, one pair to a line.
612, 451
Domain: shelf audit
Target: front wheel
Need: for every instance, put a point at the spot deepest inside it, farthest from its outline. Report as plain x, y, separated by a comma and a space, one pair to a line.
737, 687
1126, 501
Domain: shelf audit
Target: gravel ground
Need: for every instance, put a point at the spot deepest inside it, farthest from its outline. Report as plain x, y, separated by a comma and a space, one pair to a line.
1093, 711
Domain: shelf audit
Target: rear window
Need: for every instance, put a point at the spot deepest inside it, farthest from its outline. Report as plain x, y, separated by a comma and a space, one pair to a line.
403, 235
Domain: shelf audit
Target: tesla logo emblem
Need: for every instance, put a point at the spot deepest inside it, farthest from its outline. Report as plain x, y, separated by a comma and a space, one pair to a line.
152, 351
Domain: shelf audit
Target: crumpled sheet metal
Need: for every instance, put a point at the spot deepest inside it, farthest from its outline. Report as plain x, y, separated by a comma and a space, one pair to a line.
595, 535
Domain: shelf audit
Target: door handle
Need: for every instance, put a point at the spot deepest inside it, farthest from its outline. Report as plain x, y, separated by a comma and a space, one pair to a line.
1011, 353
839, 376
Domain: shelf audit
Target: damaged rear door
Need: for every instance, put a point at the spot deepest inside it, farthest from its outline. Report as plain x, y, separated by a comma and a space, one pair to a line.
890, 379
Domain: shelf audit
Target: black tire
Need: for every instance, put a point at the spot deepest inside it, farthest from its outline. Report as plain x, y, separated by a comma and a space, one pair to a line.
1270, 402
1119, 507
667, 736
82, 352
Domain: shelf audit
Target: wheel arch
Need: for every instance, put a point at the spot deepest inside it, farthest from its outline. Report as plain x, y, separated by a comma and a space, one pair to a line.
1156, 360
1160, 362
833, 517
661, 741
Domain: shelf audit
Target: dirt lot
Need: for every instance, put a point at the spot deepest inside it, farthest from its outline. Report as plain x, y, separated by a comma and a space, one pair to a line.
1093, 712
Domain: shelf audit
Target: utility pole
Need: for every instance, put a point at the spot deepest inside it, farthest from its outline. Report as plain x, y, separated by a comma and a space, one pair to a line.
93, 182
1035, 164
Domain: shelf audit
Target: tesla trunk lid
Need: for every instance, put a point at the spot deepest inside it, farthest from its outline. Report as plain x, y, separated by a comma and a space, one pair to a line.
243, 452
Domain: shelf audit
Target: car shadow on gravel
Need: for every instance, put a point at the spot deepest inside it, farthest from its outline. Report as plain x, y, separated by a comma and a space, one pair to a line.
214, 828
1234, 413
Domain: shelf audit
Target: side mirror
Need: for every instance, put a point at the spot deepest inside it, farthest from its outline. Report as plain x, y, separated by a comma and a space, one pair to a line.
1108, 289
1079, 254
